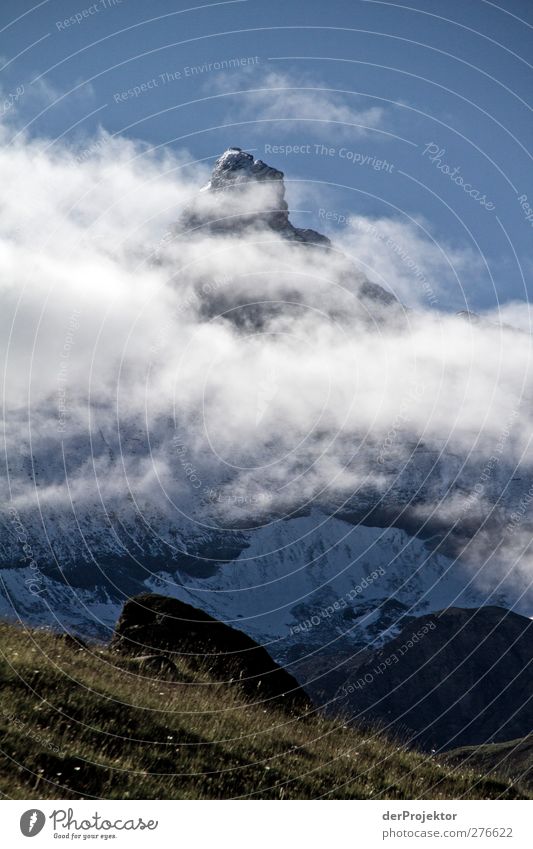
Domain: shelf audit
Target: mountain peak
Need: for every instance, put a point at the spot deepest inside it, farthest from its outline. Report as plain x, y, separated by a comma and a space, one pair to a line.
237, 166
245, 193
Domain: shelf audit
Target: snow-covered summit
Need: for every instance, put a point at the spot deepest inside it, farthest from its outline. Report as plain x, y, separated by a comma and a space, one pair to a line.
237, 166
245, 193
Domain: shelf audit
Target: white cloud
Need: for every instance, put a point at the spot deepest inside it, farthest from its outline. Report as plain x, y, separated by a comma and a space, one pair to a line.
297, 102
241, 364
401, 254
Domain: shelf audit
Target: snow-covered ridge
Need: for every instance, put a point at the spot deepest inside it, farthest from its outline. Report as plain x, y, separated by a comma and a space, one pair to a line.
309, 584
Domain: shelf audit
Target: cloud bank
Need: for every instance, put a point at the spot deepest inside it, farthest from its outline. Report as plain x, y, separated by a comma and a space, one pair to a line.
219, 377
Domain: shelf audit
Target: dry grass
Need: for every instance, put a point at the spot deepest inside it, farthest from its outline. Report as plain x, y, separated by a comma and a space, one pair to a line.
82, 723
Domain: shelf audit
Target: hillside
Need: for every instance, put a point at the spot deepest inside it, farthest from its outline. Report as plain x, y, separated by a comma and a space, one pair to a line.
457, 677
512, 759
81, 721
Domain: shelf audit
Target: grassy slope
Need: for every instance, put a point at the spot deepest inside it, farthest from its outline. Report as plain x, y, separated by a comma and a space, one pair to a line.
123, 735
512, 759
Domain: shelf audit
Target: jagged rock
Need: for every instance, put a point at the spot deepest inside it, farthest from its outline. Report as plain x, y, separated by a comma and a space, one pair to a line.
227, 205
235, 166
162, 624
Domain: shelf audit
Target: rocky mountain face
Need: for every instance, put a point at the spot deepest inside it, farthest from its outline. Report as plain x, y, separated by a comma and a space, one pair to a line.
245, 193
451, 678
315, 580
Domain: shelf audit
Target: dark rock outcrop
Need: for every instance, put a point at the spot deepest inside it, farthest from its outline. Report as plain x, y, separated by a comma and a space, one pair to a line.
152, 624
455, 678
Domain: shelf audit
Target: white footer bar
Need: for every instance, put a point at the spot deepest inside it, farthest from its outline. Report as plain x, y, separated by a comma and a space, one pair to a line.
265, 824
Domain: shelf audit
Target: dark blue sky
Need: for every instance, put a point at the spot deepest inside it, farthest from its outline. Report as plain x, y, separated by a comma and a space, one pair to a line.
419, 113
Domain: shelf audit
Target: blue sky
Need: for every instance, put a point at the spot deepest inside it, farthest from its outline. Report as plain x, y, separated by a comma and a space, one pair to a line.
371, 109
